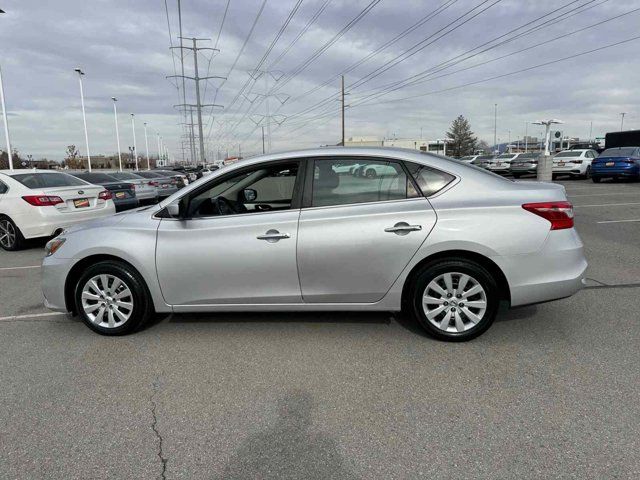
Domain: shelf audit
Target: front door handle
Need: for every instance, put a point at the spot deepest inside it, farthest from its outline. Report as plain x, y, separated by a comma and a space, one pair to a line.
272, 236
403, 228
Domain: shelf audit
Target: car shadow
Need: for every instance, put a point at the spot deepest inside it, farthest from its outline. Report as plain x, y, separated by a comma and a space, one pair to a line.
283, 317
293, 447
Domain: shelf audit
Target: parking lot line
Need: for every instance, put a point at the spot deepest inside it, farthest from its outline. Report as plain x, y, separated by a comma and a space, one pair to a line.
619, 221
11, 318
20, 268
607, 205
603, 194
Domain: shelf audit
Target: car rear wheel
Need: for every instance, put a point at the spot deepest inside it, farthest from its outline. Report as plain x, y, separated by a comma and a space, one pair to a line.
516, 175
371, 173
112, 298
587, 173
455, 300
11, 238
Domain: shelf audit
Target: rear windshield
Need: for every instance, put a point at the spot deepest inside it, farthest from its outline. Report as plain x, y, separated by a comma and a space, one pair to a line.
619, 152
150, 175
96, 177
571, 153
47, 180
125, 176
528, 155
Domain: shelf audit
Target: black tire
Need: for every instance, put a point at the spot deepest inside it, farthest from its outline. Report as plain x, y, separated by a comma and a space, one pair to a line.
371, 173
454, 265
596, 179
587, 174
142, 305
516, 175
14, 239
554, 176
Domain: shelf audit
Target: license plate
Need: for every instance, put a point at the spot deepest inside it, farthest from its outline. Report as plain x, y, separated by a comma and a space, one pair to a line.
120, 195
610, 164
81, 202
164, 185
561, 164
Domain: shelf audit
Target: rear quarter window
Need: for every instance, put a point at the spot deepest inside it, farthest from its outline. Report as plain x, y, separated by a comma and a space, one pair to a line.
430, 180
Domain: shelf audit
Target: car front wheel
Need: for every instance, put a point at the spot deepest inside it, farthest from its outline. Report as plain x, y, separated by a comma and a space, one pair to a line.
455, 300
112, 298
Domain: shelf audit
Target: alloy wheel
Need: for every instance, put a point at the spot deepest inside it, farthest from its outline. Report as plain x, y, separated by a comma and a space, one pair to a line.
107, 301
454, 302
7, 234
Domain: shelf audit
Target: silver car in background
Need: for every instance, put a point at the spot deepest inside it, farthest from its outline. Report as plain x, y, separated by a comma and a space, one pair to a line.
441, 240
146, 190
525, 164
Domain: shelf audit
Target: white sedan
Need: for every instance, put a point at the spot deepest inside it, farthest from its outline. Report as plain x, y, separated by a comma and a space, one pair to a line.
575, 163
42, 203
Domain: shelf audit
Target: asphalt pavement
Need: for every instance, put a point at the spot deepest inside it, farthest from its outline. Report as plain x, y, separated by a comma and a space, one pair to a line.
550, 391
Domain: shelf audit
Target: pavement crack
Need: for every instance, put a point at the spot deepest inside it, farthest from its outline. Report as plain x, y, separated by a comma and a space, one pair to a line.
154, 427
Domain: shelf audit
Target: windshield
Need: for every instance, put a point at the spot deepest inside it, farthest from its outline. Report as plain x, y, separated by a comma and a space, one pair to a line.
619, 152
48, 180
96, 177
571, 153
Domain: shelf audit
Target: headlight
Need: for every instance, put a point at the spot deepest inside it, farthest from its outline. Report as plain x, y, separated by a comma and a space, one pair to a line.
53, 246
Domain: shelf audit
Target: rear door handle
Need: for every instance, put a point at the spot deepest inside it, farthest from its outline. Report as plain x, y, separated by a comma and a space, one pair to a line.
403, 228
273, 236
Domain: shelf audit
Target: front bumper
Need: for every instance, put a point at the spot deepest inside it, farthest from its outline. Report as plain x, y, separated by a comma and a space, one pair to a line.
54, 273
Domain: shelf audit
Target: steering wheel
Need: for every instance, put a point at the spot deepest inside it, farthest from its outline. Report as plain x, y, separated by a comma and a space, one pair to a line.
227, 207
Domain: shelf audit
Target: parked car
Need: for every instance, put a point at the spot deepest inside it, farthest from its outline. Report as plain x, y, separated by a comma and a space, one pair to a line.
468, 158
442, 240
146, 190
166, 185
182, 180
575, 163
124, 193
616, 163
525, 164
41, 203
483, 161
502, 163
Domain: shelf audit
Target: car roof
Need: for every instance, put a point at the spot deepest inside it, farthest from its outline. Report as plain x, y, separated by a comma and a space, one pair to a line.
17, 171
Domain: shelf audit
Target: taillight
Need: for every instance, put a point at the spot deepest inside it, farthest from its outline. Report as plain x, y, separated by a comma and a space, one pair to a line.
577, 161
560, 214
42, 200
153, 184
105, 195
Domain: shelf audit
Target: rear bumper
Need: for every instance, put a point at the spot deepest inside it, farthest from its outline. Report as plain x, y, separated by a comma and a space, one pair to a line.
45, 222
556, 271
126, 203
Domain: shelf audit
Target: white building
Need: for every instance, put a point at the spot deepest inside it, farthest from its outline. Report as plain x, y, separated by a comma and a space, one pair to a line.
435, 146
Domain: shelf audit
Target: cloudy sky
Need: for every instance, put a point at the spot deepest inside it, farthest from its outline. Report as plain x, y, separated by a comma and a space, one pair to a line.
463, 56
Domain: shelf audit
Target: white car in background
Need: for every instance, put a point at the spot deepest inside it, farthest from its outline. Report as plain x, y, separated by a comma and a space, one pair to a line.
42, 203
575, 163
468, 158
502, 163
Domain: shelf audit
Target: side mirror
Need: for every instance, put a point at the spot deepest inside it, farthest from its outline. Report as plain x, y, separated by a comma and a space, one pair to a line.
250, 195
173, 209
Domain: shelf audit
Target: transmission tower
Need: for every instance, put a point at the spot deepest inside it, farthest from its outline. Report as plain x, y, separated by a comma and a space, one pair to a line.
270, 78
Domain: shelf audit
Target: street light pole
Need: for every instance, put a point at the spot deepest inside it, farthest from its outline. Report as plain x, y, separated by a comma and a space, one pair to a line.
115, 115
544, 164
84, 117
6, 123
135, 149
622, 121
159, 150
146, 142
495, 127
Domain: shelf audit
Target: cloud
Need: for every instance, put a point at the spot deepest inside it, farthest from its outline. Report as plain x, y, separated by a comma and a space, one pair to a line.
124, 49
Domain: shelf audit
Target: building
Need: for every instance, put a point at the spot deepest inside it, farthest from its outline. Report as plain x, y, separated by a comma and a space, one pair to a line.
434, 146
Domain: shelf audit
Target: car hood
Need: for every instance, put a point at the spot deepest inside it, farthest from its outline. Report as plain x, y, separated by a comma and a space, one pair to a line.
116, 219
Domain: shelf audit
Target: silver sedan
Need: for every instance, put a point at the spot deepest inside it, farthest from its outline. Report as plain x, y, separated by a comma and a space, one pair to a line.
443, 241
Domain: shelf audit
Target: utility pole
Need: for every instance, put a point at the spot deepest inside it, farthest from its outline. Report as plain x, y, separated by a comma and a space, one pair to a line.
495, 127
281, 97
197, 79
6, 123
84, 117
146, 142
135, 148
342, 102
159, 149
590, 130
526, 140
622, 121
115, 114
263, 140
